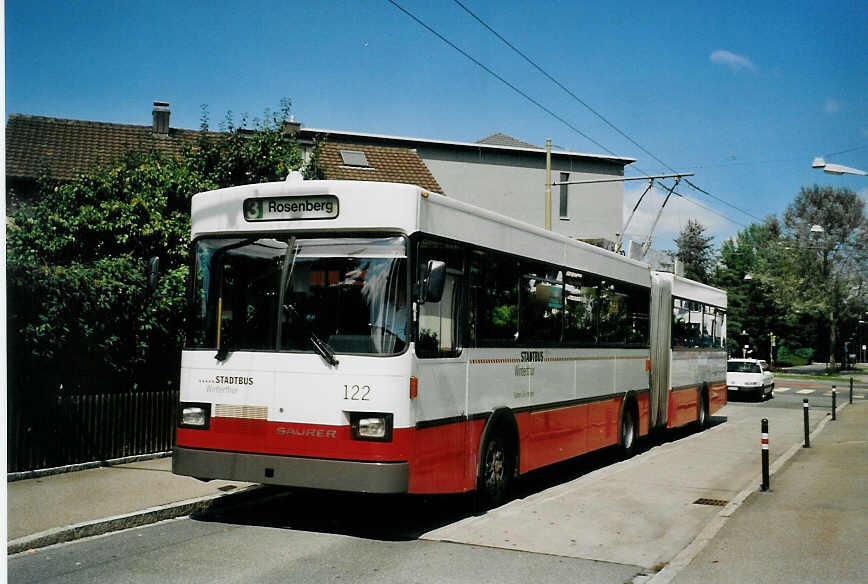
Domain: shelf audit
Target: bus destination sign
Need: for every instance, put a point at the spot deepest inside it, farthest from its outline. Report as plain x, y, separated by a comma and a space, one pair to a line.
291, 208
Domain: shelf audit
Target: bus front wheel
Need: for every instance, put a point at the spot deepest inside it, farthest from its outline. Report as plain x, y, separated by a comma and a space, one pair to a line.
495, 472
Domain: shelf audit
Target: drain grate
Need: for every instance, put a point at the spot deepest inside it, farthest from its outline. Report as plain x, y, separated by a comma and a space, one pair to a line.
715, 502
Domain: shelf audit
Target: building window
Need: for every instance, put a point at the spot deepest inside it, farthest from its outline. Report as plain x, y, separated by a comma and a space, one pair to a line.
564, 214
354, 158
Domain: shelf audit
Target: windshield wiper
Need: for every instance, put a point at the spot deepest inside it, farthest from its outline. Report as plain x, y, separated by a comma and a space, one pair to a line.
321, 347
286, 270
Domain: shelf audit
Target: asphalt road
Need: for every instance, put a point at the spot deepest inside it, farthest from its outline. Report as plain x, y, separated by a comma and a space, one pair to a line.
297, 538
790, 393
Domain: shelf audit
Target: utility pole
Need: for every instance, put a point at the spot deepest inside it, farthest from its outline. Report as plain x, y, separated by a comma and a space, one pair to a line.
548, 184
772, 349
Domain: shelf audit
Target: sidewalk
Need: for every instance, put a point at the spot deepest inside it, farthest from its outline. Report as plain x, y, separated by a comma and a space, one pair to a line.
812, 525
62, 507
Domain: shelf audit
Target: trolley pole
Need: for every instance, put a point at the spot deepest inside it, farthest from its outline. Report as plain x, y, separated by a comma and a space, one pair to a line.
764, 427
807, 426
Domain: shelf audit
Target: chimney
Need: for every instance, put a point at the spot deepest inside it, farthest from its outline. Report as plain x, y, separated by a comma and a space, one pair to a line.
291, 127
161, 118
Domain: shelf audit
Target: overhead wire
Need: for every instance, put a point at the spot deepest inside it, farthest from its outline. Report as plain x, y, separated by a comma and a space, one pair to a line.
569, 92
846, 151
543, 107
498, 77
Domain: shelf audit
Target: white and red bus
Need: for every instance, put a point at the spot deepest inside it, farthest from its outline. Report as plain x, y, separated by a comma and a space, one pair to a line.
377, 337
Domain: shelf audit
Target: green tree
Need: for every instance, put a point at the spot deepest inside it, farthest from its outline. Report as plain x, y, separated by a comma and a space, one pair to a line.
694, 251
80, 312
753, 310
821, 267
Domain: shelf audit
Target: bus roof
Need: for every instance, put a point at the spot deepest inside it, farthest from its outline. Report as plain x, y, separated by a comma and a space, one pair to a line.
377, 206
692, 290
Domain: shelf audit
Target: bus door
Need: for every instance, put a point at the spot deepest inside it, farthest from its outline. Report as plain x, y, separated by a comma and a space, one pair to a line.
440, 405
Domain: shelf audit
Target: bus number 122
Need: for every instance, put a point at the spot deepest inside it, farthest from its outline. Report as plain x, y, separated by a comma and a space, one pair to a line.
357, 392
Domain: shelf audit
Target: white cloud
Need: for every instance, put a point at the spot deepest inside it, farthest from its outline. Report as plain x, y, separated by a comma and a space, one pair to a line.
831, 106
731, 60
674, 218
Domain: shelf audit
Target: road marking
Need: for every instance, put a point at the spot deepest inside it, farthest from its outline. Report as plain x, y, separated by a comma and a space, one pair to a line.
783, 389
806, 391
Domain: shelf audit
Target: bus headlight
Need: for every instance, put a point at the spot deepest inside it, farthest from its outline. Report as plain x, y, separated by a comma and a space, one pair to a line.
371, 426
195, 415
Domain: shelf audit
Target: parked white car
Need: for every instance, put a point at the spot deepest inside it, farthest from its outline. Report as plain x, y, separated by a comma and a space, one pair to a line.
749, 377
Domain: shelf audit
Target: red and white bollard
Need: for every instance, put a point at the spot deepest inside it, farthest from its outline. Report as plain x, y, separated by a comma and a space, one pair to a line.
765, 453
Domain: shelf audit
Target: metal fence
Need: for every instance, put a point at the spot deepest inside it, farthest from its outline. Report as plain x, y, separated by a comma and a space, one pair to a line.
76, 428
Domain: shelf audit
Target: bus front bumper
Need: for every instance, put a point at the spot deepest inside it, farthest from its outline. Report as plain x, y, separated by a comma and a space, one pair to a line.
317, 473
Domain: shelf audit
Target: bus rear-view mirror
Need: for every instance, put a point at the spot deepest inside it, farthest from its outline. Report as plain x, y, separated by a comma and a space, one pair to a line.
435, 278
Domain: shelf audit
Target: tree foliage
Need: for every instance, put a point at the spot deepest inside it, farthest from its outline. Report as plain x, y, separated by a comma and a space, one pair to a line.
80, 312
752, 309
695, 251
806, 285
821, 267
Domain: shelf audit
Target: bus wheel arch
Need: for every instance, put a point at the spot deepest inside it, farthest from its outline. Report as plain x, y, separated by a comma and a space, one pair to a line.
498, 459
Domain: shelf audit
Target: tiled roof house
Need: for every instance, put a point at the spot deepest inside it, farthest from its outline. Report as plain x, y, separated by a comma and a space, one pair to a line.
498, 172
62, 149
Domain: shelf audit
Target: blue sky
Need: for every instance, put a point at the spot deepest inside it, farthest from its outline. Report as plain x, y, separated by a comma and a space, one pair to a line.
744, 94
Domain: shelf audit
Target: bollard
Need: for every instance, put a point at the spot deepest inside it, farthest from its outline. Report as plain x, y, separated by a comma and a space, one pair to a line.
834, 399
807, 427
764, 427
851, 391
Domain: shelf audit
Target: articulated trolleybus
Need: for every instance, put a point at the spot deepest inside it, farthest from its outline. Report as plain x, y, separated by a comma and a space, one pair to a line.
377, 337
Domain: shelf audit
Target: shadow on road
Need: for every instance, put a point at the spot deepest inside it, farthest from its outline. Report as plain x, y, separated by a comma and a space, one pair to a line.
396, 517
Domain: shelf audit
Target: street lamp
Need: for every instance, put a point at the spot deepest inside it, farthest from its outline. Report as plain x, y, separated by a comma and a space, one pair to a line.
836, 169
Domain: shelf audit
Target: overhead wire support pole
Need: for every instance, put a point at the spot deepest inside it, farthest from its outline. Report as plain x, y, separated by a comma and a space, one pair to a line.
647, 245
548, 184
678, 176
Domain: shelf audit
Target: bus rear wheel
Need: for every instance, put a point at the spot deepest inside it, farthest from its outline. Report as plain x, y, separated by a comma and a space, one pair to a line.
495, 472
703, 420
628, 433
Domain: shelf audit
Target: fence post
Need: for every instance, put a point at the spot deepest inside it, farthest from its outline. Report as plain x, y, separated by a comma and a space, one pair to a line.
834, 401
764, 440
807, 426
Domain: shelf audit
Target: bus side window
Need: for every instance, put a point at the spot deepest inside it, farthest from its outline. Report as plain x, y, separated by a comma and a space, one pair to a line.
581, 295
496, 288
541, 305
438, 321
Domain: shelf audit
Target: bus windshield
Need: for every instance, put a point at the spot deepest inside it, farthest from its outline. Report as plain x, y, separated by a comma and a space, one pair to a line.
293, 294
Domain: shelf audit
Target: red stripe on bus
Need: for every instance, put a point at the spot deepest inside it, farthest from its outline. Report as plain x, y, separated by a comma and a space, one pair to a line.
290, 439
555, 435
683, 406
